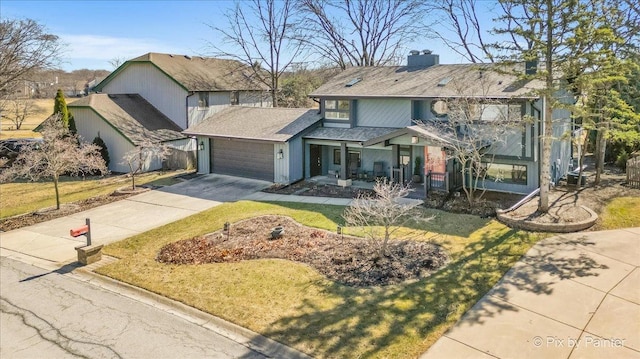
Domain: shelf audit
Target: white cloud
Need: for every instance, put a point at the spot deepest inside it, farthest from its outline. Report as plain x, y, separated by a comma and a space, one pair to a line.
104, 48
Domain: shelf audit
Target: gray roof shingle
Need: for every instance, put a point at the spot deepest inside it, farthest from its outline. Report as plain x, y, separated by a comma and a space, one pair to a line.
132, 116
476, 80
356, 134
196, 73
258, 123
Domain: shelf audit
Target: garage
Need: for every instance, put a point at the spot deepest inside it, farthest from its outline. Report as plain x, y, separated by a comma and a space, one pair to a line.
251, 159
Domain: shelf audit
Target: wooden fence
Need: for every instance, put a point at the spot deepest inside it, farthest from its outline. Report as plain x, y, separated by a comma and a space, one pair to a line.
633, 172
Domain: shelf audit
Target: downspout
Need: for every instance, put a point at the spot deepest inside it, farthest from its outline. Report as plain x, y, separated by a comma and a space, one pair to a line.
195, 139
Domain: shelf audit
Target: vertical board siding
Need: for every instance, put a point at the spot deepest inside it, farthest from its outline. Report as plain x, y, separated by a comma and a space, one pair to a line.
384, 113
296, 158
90, 126
155, 87
204, 155
218, 101
281, 165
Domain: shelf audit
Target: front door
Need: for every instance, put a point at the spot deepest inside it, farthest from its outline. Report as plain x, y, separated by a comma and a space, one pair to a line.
404, 160
315, 160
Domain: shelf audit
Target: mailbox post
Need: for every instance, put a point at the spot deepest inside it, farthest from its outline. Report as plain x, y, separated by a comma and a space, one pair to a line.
83, 231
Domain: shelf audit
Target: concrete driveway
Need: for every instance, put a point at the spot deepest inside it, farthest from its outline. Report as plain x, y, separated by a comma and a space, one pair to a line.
50, 241
570, 296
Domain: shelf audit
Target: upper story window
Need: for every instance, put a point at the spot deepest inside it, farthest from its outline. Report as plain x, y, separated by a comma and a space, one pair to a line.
234, 98
203, 99
336, 110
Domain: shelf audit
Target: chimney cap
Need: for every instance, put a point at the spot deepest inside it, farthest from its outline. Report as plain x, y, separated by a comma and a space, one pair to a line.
427, 52
414, 52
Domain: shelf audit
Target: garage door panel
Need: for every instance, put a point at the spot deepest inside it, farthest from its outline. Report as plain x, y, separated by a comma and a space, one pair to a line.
243, 158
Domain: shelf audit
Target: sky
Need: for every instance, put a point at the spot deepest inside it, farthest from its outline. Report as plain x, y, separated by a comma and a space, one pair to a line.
95, 32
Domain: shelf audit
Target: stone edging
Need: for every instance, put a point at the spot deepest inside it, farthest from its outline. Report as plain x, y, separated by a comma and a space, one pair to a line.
548, 227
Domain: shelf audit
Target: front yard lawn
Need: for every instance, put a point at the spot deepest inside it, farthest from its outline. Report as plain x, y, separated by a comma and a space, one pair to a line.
621, 212
24, 197
294, 304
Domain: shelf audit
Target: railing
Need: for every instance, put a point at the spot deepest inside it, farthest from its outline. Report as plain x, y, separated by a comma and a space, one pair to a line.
435, 181
633, 172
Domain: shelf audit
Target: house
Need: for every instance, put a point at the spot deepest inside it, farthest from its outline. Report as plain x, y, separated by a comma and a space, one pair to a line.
180, 89
254, 142
370, 115
123, 122
187, 89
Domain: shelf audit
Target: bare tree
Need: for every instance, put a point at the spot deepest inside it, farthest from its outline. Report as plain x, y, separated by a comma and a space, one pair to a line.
25, 46
145, 153
259, 35
58, 154
17, 110
360, 32
473, 131
460, 28
117, 61
381, 214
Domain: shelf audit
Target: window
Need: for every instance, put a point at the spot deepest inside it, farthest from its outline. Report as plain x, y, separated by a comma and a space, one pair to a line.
203, 99
234, 98
336, 110
500, 172
336, 156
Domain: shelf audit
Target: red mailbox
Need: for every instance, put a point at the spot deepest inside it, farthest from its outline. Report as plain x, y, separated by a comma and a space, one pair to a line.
80, 231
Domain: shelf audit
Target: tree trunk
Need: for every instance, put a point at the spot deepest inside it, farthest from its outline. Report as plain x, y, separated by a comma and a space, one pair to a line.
133, 181
545, 160
55, 185
601, 146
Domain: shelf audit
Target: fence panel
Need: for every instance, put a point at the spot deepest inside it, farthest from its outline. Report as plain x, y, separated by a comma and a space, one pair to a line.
633, 172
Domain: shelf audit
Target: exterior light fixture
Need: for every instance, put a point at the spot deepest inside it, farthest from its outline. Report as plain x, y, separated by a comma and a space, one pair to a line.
201, 146
414, 139
280, 154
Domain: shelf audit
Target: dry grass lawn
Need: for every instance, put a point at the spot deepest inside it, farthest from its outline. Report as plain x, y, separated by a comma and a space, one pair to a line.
294, 304
621, 212
44, 108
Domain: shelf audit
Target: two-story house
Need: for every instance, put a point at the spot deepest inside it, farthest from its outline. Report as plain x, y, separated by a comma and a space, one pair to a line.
370, 119
181, 89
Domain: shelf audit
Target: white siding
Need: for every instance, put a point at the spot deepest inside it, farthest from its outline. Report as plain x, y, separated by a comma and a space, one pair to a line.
204, 161
384, 113
281, 165
155, 87
561, 145
221, 100
90, 126
255, 99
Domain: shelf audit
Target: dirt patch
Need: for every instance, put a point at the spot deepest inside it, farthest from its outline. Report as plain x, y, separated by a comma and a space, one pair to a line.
309, 188
566, 201
485, 207
348, 260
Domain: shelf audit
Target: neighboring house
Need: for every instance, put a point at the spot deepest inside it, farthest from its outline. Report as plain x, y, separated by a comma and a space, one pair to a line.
186, 89
260, 143
123, 122
368, 125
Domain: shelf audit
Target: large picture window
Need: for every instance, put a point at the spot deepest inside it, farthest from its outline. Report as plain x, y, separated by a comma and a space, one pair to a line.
501, 172
337, 110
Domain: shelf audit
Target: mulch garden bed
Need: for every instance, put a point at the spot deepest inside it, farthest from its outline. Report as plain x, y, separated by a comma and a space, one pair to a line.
309, 188
348, 260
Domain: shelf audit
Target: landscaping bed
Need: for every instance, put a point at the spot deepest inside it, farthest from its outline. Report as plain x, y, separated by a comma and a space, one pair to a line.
347, 260
309, 188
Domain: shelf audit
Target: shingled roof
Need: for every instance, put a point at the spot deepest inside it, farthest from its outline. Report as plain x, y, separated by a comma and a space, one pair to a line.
257, 123
196, 73
476, 80
132, 116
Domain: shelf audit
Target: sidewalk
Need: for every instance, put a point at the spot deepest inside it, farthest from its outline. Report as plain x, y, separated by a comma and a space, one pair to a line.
570, 296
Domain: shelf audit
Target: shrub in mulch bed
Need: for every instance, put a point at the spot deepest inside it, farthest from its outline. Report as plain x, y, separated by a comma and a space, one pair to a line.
348, 260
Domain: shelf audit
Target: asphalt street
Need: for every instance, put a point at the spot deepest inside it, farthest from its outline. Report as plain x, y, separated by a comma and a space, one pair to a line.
53, 315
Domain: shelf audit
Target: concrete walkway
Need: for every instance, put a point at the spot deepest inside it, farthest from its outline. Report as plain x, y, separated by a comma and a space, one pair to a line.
570, 296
